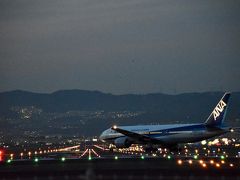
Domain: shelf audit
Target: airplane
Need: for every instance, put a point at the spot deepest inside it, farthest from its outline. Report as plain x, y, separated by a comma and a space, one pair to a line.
170, 135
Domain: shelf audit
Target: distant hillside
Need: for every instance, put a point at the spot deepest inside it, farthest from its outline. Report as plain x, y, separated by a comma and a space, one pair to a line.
95, 110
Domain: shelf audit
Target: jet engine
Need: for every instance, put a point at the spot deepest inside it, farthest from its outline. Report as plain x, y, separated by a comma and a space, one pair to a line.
122, 142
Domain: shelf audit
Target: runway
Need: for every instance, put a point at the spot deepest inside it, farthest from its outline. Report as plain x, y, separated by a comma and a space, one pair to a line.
121, 168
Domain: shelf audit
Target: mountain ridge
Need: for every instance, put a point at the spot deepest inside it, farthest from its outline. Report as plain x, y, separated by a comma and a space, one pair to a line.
94, 110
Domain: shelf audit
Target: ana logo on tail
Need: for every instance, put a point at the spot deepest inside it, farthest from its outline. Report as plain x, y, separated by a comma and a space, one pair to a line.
219, 108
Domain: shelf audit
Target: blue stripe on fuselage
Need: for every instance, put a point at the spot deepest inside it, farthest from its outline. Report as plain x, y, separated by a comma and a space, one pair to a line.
195, 127
176, 130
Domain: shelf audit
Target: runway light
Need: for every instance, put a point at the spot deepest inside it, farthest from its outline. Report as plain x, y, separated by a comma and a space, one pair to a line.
201, 161
89, 158
195, 156
190, 161
179, 162
231, 165
169, 157
217, 165
9, 161
116, 158
63, 159
222, 157
204, 165
211, 161
222, 161
204, 142
142, 157
11, 156
36, 160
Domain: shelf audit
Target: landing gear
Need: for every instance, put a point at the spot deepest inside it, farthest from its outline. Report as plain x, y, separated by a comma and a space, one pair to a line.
175, 149
151, 149
111, 150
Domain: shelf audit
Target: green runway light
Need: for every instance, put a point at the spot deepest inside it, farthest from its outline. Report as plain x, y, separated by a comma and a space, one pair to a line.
169, 157
36, 160
9, 160
222, 157
116, 158
63, 159
142, 157
195, 156
89, 158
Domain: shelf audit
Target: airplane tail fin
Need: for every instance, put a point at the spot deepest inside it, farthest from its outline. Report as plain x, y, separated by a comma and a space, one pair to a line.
217, 116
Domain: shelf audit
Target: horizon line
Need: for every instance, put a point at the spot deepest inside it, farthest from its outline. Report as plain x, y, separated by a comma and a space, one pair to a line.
103, 92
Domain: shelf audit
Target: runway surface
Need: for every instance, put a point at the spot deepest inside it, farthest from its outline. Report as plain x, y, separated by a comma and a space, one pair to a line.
121, 168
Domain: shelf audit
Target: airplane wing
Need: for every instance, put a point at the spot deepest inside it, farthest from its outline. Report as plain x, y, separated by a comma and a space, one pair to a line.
137, 136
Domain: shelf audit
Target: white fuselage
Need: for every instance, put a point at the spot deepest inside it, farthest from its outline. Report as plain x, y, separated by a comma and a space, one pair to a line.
169, 134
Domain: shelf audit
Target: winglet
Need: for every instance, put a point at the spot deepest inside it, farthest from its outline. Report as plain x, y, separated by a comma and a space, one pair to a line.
217, 116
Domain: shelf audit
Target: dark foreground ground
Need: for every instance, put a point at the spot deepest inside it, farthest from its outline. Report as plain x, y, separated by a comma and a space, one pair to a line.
121, 168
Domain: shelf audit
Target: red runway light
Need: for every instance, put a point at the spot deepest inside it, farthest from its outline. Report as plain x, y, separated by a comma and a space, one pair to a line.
1, 155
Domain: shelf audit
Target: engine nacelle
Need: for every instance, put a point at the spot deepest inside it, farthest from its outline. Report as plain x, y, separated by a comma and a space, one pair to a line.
122, 142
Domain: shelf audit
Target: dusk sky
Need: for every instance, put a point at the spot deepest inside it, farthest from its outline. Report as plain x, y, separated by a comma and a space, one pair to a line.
120, 46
